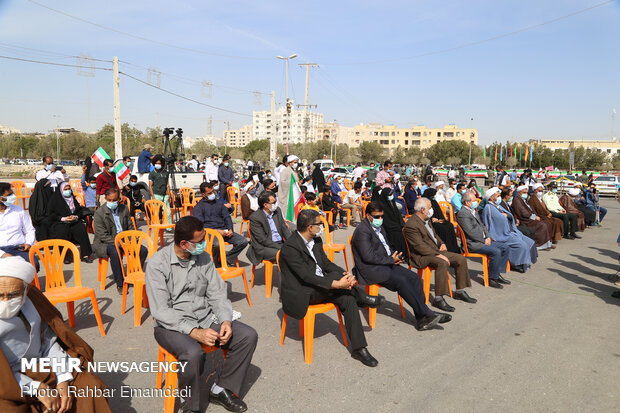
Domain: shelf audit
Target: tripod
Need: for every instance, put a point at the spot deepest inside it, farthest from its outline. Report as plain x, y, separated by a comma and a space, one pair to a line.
172, 145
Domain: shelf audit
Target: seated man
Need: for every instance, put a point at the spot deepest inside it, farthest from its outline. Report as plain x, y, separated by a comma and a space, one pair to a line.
456, 198
582, 204
16, 231
188, 300
523, 212
134, 194
592, 199
479, 240
267, 229
376, 264
309, 277
501, 225
552, 202
426, 249
215, 215
506, 197
567, 201
32, 328
539, 208
110, 219
329, 204
353, 202
336, 188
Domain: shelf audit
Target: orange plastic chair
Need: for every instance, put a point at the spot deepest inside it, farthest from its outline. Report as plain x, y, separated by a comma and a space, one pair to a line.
347, 184
234, 199
247, 222
128, 245
225, 271
448, 211
306, 325
348, 211
187, 200
21, 191
76, 186
156, 224
373, 289
331, 248
171, 377
426, 274
102, 272
364, 205
51, 254
268, 270
466, 253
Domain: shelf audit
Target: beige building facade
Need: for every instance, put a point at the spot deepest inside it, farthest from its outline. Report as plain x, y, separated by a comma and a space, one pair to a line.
391, 136
238, 138
610, 146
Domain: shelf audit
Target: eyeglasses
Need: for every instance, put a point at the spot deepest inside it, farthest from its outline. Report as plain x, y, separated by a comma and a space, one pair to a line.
319, 224
377, 216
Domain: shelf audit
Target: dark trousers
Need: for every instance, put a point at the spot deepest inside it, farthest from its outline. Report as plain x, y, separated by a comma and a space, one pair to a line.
233, 371
408, 285
498, 258
570, 222
346, 300
238, 244
14, 250
117, 264
75, 233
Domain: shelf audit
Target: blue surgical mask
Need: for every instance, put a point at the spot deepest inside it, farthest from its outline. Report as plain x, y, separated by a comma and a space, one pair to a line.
474, 205
199, 249
66, 193
49, 167
10, 200
498, 201
112, 205
132, 183
211, 197
129, 165
216, 188
463, 191
554, 190
225, 163
390, 197
94, 186
158, 166
111, 169
524, 196
377, 222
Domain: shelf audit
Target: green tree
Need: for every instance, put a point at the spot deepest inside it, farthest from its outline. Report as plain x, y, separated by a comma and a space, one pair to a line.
202, 149
370, 151
254, 146
441, 151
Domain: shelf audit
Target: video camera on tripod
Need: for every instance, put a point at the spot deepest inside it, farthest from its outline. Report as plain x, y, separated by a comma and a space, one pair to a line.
171, 150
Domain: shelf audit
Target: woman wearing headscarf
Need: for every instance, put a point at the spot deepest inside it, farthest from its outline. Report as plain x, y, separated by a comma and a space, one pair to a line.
318, 179
473, 186
442, 226
38, 208
393, 222
64, 215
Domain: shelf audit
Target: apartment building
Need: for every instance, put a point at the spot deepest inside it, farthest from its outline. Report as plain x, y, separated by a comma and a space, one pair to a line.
291, 127
610, 146
238, 138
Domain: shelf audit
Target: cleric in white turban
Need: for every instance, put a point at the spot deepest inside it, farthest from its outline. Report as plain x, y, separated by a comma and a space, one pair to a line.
32, 328
284, 185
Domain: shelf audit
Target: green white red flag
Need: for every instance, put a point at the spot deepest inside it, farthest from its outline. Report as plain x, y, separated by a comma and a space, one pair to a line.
294, 200
99, 156
121, 171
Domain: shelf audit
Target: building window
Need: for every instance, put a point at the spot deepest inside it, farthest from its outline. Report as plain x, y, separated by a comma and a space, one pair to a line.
424, 135
384, 142
415, 142
406, 134
438, 134
406, 142
376, 133
392, 135
393, 141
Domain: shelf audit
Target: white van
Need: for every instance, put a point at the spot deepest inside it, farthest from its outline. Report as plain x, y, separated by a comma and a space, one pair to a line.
325, 165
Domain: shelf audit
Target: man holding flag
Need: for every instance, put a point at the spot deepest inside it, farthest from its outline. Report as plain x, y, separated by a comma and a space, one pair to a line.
106, 180
122, 171
289, 194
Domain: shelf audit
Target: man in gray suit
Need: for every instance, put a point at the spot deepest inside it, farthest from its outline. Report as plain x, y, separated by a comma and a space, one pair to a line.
267, 230
479, 240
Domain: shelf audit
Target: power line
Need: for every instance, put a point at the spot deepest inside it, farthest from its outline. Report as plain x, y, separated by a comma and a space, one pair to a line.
474, 43
50, 63
60, 55
183, 97
135, 36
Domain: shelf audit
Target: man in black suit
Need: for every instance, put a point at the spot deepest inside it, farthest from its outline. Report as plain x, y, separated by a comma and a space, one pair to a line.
268, 230
375, 263
309, 277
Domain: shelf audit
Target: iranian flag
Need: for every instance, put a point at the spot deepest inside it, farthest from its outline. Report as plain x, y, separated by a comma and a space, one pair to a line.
121, 171
99, 156
295, 200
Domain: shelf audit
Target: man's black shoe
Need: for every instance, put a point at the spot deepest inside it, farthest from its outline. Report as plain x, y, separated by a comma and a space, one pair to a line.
371, 301
229, 400
119, 290
429, 321
502, 280
444, 318
495, 284
87, 259
442, 305
365, 357
576, 236
569, 236
463, 296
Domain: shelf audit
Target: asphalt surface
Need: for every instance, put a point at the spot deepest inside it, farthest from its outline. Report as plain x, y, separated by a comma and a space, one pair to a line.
547, 343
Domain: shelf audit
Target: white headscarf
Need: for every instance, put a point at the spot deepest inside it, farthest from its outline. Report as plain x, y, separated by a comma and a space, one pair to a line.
537, 185
573, 192
489, 193
16, 267
292, 158
521, 188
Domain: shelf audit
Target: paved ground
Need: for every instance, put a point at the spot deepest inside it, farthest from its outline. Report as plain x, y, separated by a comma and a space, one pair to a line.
547, 343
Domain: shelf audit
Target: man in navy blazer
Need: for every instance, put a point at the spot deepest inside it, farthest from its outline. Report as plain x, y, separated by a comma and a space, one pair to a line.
375, 263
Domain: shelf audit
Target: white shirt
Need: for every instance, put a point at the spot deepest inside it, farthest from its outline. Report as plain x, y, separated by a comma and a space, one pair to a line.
385, 244
449, 194
276, 173
351, 197
16, 227
193, 164
211, 171
357, 173
452, 173
310, 245
250, 164
55, 178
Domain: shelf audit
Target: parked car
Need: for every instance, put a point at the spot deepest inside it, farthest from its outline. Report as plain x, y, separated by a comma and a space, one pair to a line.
566, 182
607, 184
345, 173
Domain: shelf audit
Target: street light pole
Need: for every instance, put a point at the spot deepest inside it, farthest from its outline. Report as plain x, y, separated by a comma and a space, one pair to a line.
57, 139
286, 59
288, 120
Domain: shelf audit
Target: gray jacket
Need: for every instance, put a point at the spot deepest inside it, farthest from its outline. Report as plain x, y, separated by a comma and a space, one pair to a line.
473, 227
105, 228
261, 234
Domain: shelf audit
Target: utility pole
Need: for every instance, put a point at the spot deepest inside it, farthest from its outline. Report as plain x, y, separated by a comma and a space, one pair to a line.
118, 143
273, 140
210, 128
57, 139
306, 121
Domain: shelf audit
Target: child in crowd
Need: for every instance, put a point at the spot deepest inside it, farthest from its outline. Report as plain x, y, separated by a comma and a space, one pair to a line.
328, 204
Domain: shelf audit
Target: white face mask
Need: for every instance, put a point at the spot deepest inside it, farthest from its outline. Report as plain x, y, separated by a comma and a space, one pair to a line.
430, 213
11, 307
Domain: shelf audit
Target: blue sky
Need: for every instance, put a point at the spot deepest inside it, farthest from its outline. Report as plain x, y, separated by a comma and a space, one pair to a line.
558, 80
